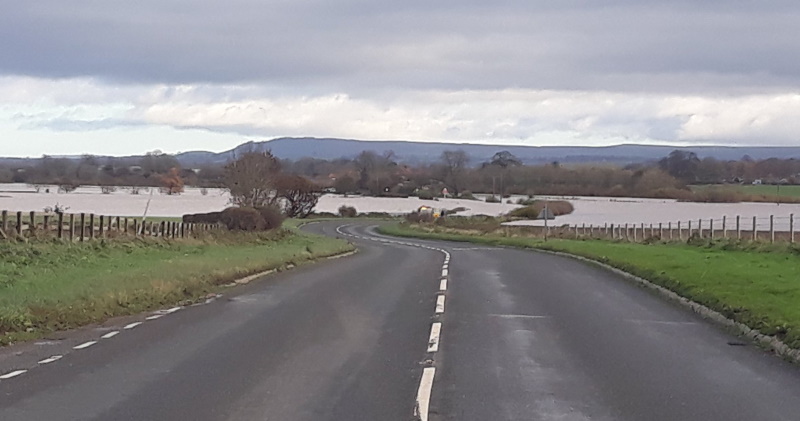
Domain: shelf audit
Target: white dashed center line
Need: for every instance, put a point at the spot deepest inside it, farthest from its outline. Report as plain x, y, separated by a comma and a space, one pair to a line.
132, 325
443, 285
85, 345
433, 342
13, 374
155, 316
424, 394
440, 304
110, 335
52, 359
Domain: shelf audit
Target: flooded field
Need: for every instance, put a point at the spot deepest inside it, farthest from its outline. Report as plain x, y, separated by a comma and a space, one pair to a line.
588, 210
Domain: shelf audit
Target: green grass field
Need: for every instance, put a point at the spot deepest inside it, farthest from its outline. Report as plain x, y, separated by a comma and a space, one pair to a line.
50, 285
758, 287
762, 190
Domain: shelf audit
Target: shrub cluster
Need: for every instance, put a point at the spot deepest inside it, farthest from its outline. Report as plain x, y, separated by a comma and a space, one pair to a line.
557, 207
347, 211
241, 218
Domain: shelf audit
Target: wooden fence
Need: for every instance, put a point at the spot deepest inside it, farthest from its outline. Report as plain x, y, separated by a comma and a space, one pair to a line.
88, 226
772, 229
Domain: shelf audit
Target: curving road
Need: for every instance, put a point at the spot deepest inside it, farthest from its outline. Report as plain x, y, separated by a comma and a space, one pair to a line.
404, 330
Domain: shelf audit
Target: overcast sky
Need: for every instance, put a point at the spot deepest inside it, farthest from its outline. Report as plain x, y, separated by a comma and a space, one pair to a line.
124, 77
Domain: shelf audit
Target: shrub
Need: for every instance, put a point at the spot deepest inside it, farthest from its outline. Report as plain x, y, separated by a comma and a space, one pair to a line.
242, 219
492, 199
417, 217
202, 218
467, 195
347, 211
425, 195
272, 216
557, 207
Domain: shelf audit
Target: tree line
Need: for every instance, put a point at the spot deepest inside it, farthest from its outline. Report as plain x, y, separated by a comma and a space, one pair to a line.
267, 179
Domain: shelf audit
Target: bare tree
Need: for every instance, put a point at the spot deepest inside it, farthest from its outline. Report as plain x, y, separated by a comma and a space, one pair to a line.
300, 196
455, 166
251, 179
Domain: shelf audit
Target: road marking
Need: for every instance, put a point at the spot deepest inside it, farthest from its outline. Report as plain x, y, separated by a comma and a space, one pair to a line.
54, 358
446, 266
443, 285
444, 273
85, 345
172, 310
433, 342
660, 322
424, 393
132, 325
155, 316
13, 374
110, 335
440, 304
518, 316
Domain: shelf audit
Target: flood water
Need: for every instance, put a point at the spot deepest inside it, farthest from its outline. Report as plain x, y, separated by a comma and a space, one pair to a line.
588, 210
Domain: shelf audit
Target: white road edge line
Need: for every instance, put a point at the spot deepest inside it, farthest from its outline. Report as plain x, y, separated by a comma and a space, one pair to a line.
440, 304
433, 342
424, 393
110, 335
154, 317
85, 345
443, 285
13, 374
132, 325
52, 359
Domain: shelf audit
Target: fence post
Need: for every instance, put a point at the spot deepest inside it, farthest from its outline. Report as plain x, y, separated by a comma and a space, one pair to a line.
680, 231
46, 224
690, 229
91, 226
661, 231
669, 228
71, 227
711, 228
755, 229
4, 221
110, 224
102, 232
772, 228
724, 227
738, 227
791, 228
162, 228
19, 223
634, 232
83, 227
126, 227
60, 225
32, 224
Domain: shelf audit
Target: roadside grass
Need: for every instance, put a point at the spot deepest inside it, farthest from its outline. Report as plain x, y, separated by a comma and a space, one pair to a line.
757, 285
762, 192
50, 285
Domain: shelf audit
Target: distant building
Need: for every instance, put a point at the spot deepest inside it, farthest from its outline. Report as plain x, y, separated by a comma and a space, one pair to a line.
757, 182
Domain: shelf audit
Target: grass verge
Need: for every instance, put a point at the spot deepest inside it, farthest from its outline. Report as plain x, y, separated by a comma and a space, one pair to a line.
758, 286
48, 286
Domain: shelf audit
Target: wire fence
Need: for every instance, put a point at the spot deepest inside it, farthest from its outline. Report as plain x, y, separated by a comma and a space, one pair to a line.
88, 226
767, 229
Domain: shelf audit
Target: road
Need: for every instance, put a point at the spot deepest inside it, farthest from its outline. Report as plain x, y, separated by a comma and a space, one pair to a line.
450, 331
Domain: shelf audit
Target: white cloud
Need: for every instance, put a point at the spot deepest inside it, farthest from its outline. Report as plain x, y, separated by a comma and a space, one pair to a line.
46, 109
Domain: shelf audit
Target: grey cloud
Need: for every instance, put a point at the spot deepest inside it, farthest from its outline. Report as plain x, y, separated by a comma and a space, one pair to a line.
71, 125
657, 46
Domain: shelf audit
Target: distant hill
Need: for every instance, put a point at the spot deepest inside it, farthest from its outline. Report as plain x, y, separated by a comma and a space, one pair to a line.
425, 152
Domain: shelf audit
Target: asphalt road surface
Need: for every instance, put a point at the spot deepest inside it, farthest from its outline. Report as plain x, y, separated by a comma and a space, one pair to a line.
405, 330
